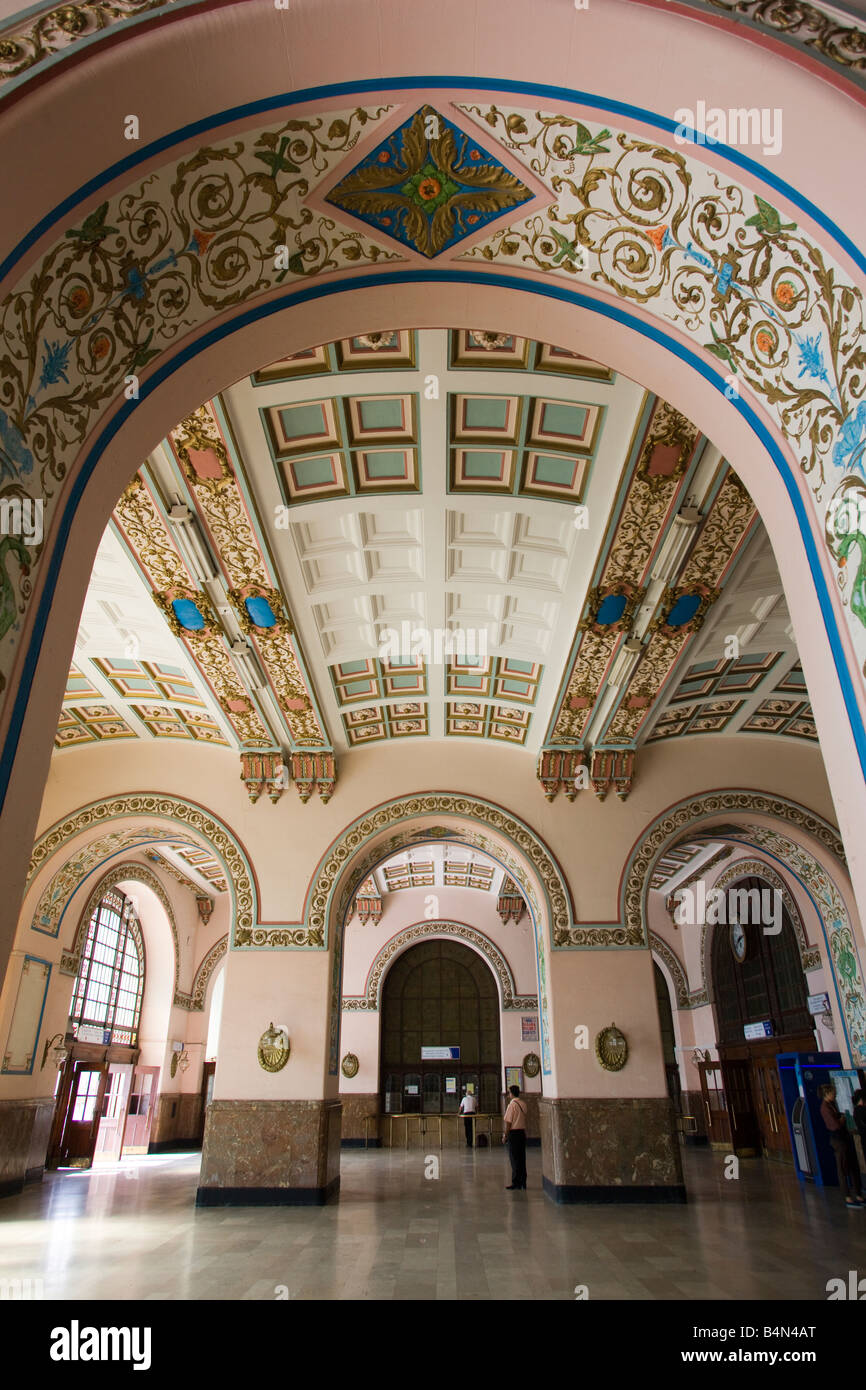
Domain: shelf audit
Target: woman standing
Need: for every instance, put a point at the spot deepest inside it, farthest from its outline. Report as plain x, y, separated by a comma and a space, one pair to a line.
843, 1148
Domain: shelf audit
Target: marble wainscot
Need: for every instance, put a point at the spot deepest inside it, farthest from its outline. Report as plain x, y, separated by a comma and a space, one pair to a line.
270, 1153
610, 1150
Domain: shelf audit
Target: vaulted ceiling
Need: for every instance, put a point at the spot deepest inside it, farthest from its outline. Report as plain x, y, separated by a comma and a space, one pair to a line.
442, 535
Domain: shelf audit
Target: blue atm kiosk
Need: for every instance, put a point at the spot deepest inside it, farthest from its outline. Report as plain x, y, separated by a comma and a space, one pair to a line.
801, 1073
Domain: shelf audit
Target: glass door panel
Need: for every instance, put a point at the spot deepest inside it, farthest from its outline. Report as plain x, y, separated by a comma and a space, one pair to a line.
412, 1093
432, 1093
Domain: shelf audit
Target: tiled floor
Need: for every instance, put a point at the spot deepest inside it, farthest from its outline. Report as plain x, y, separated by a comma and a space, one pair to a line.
133, 1232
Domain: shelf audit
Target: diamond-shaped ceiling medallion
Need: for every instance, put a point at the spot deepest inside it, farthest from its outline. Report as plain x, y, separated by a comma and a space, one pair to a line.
429, 185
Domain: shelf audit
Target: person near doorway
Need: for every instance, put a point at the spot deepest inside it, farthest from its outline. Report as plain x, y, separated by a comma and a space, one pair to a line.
514, 1135
843, 1147
468, 1108
859, 1099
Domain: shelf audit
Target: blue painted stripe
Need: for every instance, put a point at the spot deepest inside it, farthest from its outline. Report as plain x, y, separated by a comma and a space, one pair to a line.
504, 281
267, 105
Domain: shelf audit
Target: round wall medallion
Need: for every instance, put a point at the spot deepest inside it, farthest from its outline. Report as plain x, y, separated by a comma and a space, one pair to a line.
274, 1049
531, 1064
611, 1048
350, 1064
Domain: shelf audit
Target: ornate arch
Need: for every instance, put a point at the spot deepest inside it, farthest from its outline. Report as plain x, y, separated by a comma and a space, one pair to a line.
152, 806
370, 1000
809, 956
206, 968
327, 904
842, 950
758, 301
71, 959
667, 956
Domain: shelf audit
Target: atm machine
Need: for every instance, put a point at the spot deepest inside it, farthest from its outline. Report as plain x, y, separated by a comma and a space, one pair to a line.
800, 1075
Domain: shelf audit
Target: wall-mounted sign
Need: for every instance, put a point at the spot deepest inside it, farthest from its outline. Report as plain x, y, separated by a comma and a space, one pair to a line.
611, 1048
753, 1031
528, 1029
440, 1054
350, 1064
513, 1077
411, 1090
532, 1064
451, 1085
819, 1003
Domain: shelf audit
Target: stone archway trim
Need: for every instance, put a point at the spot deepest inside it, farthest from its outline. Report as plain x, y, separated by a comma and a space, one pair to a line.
370, 1001
686, 998
321, 907
208, 964
173, 810
842, 949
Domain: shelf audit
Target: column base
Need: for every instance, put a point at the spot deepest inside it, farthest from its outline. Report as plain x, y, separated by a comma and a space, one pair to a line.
267, 1196
25, 1128
610, 1150
270, 1153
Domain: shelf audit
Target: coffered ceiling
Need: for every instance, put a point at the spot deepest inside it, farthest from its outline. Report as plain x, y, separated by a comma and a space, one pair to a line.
434, 535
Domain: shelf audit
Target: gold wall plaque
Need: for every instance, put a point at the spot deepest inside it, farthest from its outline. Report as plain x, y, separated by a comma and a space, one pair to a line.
611, 1048
350, 1064
531, 1064
274, 1049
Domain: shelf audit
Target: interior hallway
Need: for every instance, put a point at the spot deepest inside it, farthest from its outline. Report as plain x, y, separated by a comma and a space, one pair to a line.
132, 1231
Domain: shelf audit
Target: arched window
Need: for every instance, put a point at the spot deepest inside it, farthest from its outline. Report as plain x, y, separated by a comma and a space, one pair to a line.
107, 1001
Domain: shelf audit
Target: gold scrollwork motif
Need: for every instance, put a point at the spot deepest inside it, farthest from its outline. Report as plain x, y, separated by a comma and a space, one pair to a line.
23, 45
611, 1048
350, 1065
206, 969
840, 43
274, 1049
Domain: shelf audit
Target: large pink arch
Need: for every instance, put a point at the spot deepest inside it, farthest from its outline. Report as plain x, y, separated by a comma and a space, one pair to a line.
239, 54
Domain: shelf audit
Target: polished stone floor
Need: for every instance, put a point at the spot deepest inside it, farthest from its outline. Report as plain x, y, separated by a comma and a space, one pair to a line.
132, 1231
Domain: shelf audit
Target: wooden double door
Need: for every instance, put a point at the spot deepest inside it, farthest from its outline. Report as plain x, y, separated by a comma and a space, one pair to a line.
742, 1095
104, 1108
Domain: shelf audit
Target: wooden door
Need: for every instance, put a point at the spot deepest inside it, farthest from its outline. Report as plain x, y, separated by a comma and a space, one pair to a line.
715, 1103
109, 1135
770, 1107
745, 1131
142, 1102
82, 1115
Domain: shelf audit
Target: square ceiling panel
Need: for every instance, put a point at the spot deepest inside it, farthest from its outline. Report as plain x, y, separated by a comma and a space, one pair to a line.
310, 427
477, 348
310, 362
386, 470
485, 419
385, 420
313, 479
563, 425
482, 470
555, 359
388, 350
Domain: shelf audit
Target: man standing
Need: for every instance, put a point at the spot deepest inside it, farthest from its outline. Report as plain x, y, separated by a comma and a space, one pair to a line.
515, 1136
468, 1108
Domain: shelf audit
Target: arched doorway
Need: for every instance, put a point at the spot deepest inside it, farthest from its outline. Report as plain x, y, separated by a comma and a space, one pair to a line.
760, 1005
669, 1038
439, 996
94, 1089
